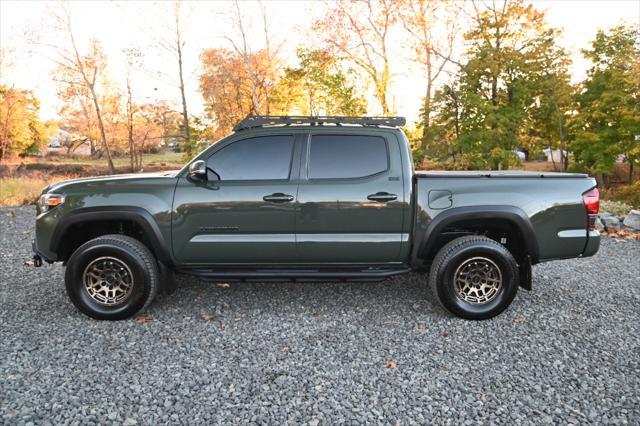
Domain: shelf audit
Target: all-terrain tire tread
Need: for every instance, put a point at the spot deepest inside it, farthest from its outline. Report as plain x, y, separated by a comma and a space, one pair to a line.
444, 254
140, 250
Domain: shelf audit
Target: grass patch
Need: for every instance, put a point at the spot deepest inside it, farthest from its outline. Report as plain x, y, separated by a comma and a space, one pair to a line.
22, 190
21, 182
19, 191
168, 158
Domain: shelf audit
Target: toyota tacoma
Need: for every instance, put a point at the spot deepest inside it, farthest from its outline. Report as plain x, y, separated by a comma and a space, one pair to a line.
312, 198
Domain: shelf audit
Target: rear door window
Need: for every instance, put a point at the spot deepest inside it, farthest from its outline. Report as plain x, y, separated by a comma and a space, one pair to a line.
347, 156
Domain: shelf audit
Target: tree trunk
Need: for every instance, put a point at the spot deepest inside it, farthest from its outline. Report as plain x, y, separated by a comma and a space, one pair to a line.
494, 79
132, 152
456, 109
563, 157
631, 170
383, 100
381, 95
426, 121
381, 84
555, 169
139, 159
3, 144
265, 26
185, 115
103, 134
4, 138
494, 91
602, 180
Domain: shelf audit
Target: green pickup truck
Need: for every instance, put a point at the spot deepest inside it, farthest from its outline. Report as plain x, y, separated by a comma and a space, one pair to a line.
316, 199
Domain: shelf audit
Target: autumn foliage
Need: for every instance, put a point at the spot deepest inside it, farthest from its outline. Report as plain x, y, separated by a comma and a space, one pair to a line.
497, 83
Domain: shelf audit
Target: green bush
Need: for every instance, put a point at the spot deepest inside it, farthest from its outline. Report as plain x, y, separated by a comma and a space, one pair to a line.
629, 194
616, 208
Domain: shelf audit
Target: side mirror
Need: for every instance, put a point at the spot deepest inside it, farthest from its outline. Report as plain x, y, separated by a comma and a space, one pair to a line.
198, 170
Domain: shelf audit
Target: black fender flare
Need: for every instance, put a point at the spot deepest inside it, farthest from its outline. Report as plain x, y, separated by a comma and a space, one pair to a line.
138, 215
512, 214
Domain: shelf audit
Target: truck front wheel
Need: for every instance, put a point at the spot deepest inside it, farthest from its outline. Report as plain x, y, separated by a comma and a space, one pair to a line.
111, 277
474, 277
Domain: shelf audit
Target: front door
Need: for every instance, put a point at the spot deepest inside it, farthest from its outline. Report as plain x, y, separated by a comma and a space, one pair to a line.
351, 199
244, 211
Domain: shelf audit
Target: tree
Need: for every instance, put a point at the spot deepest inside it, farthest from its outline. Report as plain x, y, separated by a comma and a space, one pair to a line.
94, 113
145, 130
509, 43
169, 121
178, 46
359, 31
169, 22
423, 19
445, 128
83, 75
319, 87
553, 104
133, 57
77, 114
261, 67
20, 128
228, 86
608, 113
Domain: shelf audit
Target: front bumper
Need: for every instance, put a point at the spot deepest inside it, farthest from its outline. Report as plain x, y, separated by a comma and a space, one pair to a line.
593, 244
38, 257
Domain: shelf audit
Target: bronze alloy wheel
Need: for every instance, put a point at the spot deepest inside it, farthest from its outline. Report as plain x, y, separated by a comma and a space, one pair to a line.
478, 280
474, 277
108, 280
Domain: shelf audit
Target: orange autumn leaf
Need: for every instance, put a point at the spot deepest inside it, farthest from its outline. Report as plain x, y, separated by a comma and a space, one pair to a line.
143, 319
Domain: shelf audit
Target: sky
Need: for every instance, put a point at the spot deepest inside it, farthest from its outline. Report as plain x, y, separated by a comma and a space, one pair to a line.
120, 25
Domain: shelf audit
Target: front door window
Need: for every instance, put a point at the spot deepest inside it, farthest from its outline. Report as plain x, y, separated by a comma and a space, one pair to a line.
245, 212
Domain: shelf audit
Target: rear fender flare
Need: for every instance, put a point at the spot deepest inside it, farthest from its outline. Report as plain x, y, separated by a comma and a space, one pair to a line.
514, 215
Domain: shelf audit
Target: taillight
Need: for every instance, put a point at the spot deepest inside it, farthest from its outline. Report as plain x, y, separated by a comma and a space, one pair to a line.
591, 200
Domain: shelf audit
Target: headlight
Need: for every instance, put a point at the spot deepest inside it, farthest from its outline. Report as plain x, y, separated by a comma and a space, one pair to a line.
49, 201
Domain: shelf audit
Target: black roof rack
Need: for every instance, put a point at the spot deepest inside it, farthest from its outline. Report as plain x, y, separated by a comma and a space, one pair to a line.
253, 121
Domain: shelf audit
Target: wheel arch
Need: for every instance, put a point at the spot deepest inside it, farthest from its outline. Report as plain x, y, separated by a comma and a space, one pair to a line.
481, 216
139, 217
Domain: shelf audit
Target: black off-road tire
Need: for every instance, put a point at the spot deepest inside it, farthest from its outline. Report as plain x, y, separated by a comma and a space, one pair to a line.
463, 251
132, 258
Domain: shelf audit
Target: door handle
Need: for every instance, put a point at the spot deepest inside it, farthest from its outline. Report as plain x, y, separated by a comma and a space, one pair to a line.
278, 197
382, 197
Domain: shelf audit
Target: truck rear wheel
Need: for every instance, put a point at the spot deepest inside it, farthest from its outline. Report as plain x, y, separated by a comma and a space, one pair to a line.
112, 277
474, 277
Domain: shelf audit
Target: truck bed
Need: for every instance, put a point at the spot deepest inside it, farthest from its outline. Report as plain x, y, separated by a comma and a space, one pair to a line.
550, 202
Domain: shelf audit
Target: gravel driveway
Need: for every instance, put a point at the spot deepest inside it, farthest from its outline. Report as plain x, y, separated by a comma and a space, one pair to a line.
322, 353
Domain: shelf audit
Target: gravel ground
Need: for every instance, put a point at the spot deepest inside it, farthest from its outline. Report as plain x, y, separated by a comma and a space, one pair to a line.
567, 352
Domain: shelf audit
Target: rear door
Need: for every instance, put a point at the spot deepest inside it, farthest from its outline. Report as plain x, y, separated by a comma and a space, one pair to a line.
351, 198
244, 213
